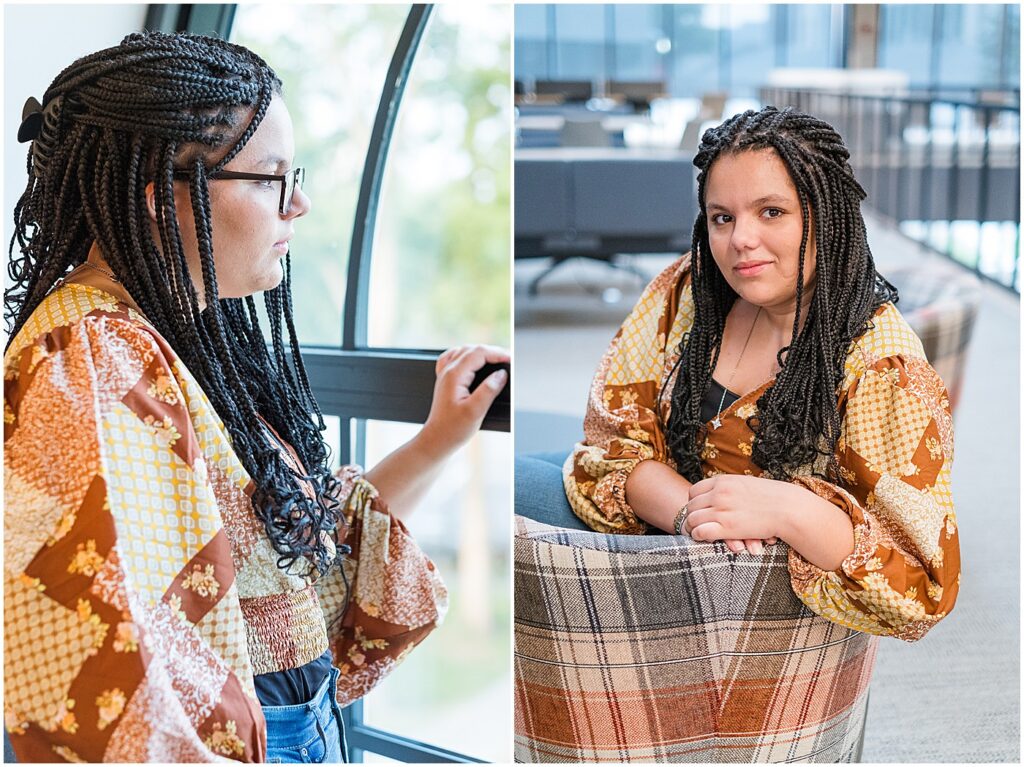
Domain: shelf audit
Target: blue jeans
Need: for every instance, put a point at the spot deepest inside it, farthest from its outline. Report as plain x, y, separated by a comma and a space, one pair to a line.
310, 732
540, 494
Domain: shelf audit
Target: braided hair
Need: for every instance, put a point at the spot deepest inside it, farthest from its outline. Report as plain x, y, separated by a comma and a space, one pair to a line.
143, 111
797, 422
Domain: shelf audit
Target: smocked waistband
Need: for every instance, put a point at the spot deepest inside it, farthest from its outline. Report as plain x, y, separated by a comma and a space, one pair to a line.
284, 630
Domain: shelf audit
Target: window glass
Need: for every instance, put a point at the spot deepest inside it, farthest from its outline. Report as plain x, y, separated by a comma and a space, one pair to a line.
440, 256
642, 47
531, 41
455, 691
1011, 52
751, 47
808, 37
315, 50
696, 42
970, 40
581, 40
905, 40
439, 275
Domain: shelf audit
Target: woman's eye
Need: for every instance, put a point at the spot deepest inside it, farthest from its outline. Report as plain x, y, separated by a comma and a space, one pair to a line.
266, 183
772, 213
720, 218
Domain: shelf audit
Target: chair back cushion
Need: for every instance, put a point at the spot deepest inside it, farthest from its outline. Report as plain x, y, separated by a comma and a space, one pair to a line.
941, 305
656, 648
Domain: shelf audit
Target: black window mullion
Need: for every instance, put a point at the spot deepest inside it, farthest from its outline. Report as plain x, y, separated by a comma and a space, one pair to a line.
362, 738
384, 385
356, 309
212, 19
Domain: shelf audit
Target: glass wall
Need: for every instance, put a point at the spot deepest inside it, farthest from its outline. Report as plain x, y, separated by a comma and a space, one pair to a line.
697, 48
952, 46
692, 48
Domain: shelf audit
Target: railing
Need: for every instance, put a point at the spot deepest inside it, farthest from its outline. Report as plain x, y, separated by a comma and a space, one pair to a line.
946, 171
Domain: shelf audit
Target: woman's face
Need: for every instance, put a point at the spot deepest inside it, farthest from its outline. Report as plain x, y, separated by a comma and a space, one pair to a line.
250, 236
754, 228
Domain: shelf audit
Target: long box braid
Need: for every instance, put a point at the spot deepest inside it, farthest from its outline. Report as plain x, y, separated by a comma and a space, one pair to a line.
113, 122
797, 423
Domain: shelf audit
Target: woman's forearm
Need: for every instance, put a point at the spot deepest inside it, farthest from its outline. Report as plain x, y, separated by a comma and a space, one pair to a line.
403, 476
656, 493
456, 413
818, 530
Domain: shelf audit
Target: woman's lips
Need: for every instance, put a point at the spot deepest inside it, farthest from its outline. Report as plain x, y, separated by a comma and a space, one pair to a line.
750, 269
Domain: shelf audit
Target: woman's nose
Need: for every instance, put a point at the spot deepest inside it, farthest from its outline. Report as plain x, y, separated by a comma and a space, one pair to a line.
745, 234
300, 204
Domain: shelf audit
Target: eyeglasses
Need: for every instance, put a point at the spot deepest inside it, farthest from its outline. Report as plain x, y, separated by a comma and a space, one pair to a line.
289, 181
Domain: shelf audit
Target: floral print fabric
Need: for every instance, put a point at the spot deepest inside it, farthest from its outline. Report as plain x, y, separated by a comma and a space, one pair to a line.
895, 455
141, 593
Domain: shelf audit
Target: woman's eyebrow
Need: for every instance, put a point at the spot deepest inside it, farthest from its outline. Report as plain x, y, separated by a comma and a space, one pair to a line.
273, 161
768, 198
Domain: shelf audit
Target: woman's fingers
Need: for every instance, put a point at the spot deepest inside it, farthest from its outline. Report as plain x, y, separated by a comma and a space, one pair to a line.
709, 531
702, 487
475, 356
461, 364
455, 412
488, 390
734, 546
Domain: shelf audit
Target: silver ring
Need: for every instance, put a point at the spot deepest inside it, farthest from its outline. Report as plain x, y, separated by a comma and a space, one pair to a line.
681, 516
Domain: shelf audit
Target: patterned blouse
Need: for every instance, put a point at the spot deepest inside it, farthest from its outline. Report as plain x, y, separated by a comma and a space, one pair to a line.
141, 592
895, 454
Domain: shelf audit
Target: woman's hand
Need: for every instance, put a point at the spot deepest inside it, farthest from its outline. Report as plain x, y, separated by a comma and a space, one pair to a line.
455, 412
740, 510
735, 507
455, 415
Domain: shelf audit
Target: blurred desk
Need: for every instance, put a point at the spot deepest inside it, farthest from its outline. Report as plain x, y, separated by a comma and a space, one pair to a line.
596, 203
544, 130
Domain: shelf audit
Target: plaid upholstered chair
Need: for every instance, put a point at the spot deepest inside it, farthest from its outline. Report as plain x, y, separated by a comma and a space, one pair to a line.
656, 648
941, 305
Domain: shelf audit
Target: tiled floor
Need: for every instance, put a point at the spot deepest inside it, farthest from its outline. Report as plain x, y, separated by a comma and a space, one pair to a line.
953, 696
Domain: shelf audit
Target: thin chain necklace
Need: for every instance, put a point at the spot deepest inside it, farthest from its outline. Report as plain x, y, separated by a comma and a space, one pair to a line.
101, 270
716, 422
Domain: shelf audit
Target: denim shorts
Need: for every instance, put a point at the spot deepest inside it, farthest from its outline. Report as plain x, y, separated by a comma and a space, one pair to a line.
310, 732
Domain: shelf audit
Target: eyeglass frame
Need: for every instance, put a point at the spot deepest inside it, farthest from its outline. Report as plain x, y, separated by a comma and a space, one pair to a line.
297, 176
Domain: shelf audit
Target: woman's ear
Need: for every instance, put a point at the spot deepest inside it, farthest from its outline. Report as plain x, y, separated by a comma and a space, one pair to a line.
151, 200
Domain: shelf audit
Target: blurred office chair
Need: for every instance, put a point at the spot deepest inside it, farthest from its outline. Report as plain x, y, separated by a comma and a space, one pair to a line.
637, 93
712, 104
584, 130
657, 648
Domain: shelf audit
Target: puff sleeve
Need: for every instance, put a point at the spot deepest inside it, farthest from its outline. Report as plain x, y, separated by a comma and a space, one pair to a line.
121, 607
895, 455
386, 596
623, 425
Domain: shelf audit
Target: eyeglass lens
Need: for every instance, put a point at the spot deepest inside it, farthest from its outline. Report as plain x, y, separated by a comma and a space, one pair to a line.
292, 181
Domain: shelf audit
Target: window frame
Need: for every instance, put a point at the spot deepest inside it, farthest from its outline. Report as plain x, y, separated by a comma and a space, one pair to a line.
357, 382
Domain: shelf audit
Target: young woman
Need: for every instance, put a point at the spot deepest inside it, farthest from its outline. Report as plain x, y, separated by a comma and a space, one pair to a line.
765, 387
185, 579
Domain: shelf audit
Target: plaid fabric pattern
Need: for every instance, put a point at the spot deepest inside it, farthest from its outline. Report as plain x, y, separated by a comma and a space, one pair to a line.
656, 648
